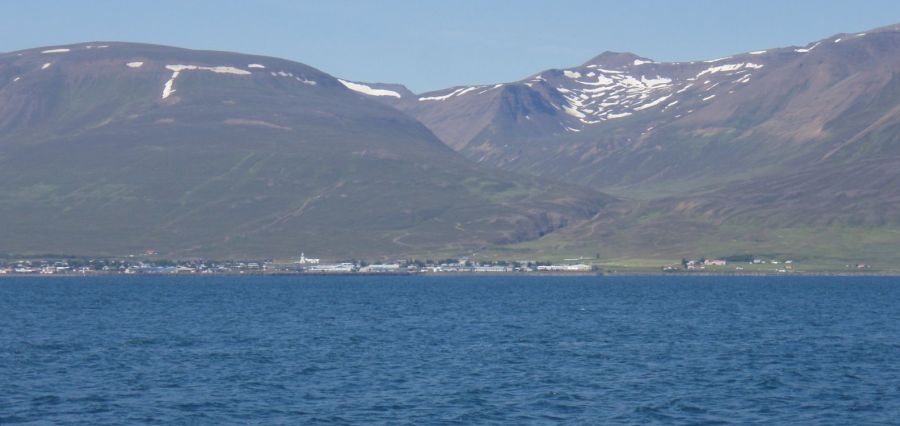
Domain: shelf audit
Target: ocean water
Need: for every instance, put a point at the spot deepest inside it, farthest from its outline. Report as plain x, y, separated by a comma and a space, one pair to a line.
450, 350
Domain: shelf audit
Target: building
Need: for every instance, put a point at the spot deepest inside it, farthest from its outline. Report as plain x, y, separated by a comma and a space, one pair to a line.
381, 268
565, 268
488, 268
693, 264
340, 268
307, 260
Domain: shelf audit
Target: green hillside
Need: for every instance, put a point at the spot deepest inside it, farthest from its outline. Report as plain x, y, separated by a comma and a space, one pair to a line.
258, 162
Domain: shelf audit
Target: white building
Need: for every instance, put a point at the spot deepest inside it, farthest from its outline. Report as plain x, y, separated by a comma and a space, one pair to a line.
307, 260
338, 268
381, 267
565, 268
492, 269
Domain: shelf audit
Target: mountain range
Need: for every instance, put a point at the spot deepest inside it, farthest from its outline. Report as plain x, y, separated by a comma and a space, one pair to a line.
763, 150
111, 148
115, 148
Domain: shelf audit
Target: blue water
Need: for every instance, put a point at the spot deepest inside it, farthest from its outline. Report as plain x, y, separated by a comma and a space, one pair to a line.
450, 350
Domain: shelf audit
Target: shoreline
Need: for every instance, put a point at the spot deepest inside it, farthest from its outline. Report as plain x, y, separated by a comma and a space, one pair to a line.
471, 274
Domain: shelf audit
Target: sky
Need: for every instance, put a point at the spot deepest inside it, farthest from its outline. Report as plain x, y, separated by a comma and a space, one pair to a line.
430, 44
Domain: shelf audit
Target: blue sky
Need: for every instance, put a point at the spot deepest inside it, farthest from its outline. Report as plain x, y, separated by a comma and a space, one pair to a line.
429, 44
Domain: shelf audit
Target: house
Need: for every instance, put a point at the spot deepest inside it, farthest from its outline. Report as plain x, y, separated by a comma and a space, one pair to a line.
693, 264
715, 262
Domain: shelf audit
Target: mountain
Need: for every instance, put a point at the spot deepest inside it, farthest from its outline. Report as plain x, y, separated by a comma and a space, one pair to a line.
595, 123
114, 148
804, 140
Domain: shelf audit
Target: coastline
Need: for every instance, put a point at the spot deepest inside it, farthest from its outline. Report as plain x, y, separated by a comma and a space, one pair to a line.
473, 274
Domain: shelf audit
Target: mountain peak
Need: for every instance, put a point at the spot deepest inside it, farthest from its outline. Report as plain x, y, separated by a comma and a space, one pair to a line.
615, 59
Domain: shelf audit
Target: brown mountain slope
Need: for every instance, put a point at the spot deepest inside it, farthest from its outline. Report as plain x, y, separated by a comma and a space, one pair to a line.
792, 150
114, 148
622, 120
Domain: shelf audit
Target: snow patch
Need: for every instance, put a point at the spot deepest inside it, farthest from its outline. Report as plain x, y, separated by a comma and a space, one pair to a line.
255, 66
653, 104
56, 51
45, 66
366, 90
217, 70
707, 98
655, 82
638, 62
169, 88
456, 92
807, 49
758, 52
684, 89
573, 112
717, 59
838, 40
613, 116
602, 80
490, 88
466, 90
134, 64
572, 74
729, 68
176, 69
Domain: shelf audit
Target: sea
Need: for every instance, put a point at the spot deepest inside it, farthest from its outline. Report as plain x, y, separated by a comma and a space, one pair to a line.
455, 350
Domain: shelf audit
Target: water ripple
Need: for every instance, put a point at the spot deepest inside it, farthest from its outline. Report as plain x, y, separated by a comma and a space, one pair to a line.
450, 350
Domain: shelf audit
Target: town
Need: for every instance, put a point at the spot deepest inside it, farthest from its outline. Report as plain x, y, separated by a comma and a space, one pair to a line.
302, 265
148, 263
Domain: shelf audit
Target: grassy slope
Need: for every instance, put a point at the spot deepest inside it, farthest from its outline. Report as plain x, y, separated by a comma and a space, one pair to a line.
93, 162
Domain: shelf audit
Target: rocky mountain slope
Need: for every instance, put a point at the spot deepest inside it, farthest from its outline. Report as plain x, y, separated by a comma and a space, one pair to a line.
114, 148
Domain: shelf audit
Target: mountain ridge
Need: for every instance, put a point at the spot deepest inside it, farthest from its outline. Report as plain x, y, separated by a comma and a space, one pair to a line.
110, 149
702, 145
629, 87
773, 150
